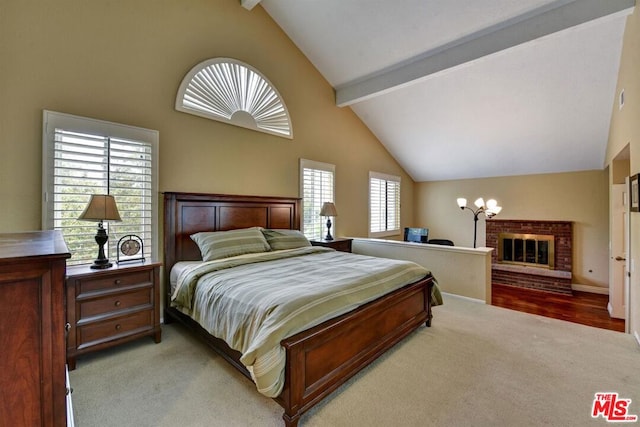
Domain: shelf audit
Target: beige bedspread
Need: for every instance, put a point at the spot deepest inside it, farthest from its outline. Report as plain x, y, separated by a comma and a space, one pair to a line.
254, 301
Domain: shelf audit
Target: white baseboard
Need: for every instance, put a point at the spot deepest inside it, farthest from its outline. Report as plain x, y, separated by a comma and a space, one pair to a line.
590, 288
635, 334
610, 309
464, 297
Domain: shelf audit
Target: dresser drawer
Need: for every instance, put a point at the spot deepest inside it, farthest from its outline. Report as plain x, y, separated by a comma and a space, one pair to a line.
88, 285
94, 333
115, 302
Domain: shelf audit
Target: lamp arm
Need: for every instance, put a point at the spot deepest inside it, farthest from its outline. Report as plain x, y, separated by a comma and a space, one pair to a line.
475, 213
488, 212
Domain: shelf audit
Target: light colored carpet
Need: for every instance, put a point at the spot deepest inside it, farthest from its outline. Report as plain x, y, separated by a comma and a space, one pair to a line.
478, 365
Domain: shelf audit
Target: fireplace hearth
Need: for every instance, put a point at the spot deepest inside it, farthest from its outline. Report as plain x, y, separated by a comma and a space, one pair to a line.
531, 253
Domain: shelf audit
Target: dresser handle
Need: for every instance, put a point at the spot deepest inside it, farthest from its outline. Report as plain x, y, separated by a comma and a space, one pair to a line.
118, 327
117, 304
117, 281
67, 326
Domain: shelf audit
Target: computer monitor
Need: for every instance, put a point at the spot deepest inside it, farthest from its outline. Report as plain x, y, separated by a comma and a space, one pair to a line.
416, 234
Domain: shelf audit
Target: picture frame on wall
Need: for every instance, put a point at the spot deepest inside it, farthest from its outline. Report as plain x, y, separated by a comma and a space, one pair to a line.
634, 193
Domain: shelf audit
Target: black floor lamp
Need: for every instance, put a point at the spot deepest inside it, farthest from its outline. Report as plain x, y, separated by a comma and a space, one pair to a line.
491, 209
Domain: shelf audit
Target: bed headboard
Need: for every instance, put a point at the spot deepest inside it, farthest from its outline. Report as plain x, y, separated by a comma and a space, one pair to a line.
189, 213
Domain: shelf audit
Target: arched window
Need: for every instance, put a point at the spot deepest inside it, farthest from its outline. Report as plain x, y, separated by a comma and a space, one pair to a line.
233, 92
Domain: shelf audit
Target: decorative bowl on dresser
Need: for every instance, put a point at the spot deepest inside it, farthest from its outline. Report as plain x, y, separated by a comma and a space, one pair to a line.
112, 306
32, 329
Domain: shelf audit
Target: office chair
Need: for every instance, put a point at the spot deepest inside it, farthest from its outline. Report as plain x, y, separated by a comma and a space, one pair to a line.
445, 242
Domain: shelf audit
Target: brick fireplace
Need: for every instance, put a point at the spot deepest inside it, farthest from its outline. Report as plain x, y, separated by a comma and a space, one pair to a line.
531, 254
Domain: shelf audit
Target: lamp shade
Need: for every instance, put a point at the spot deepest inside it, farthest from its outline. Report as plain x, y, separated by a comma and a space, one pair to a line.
101, 207
328, 209
462, 202
496, 210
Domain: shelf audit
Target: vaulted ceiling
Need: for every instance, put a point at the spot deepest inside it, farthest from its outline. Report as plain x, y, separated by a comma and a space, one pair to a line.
469, 88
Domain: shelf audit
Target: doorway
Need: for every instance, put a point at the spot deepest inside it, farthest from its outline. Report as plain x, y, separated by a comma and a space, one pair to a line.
619, 237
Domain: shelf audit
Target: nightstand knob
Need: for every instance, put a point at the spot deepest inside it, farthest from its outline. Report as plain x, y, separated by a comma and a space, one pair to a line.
117, 281
117, 304
118, 327
67, 327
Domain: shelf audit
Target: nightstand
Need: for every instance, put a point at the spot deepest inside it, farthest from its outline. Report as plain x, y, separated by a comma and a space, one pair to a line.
338, 244
110, 307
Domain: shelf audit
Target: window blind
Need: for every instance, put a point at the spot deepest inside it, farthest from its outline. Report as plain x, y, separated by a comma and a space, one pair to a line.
317, 186
384, 204
80, 163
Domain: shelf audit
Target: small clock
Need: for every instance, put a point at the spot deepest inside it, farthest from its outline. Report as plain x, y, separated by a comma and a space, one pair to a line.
130, 248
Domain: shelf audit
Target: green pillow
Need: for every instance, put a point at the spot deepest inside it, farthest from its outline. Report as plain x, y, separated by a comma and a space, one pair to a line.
223, 244
285, 239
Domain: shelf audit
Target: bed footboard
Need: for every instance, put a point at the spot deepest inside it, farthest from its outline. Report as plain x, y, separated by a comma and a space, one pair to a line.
320, 359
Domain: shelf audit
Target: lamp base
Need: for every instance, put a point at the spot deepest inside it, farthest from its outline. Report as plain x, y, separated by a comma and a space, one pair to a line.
100, 264
328, 236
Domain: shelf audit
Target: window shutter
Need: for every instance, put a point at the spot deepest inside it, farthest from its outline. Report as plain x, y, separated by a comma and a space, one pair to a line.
219, 88
384, 204
317, 182
130, 182
393, 205
378, 203
80, 169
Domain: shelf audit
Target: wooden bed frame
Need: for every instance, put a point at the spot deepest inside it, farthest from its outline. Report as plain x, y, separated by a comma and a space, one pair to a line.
322, 358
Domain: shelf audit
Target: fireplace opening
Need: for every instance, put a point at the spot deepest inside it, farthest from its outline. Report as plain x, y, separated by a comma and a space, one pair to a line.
526, 249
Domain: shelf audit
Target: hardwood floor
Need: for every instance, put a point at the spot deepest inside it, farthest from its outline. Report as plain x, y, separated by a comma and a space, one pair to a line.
583, 307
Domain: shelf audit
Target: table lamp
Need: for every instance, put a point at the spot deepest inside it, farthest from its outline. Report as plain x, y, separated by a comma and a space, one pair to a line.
101, 207
328, 210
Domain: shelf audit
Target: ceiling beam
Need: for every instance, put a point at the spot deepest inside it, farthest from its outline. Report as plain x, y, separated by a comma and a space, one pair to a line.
557, 16
249, 4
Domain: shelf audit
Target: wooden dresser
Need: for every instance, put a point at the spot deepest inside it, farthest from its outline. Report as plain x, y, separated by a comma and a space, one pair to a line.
32, 329
112, 306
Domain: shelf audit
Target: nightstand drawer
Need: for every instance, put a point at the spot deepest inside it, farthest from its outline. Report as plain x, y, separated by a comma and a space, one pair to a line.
88, 285
94, 333
115, 302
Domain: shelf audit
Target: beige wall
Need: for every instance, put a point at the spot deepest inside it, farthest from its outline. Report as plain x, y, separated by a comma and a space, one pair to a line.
581, 197
625, 131
123, 61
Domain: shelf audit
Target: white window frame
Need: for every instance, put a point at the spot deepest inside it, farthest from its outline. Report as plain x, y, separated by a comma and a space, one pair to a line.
388, 231
312, 215
54, 120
